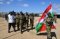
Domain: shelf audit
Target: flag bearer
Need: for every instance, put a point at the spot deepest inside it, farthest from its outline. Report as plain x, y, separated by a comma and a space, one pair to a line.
49, 23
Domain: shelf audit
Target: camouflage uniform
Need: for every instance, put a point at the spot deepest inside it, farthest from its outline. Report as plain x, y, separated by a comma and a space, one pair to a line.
31, 21
21, 22
18, 20
49, 22
27, 20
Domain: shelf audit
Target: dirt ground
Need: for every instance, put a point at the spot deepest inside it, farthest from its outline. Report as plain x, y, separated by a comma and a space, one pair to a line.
26, 35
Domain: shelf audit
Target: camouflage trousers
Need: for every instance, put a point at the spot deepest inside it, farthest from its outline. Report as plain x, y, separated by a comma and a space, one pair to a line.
31, 23
48, 32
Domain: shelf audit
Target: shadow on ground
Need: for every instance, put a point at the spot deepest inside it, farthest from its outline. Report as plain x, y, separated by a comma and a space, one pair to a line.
53, 34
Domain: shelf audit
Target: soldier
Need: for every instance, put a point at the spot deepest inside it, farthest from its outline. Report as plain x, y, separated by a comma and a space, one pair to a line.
31, 20
27, 20
11, 22
14, 13
21, 21
17, 20
49, 23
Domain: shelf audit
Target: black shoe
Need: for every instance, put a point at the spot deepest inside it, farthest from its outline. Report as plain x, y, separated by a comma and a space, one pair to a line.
21, 32
18, 29
27, 30
14, 30
9, 32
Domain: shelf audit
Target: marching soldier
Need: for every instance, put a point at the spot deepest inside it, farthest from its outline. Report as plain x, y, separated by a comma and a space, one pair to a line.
27, 20
17, 20
31, 20
21, 22
11, 22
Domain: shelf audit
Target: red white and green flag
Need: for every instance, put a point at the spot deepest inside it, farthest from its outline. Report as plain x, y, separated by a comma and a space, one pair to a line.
41, 26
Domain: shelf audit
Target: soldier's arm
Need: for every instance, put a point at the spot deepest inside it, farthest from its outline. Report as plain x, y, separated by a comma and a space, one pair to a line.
54, 19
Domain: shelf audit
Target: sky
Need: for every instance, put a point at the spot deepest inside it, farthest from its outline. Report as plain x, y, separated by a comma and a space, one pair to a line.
36, 6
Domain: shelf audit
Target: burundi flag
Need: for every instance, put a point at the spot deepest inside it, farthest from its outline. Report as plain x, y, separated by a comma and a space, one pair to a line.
41, 26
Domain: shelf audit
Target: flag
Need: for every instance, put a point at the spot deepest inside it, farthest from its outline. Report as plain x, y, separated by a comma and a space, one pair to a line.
43, 27
52, 14
41, 20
